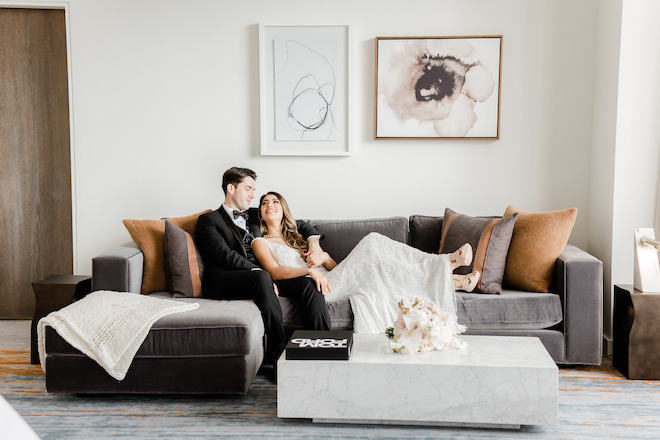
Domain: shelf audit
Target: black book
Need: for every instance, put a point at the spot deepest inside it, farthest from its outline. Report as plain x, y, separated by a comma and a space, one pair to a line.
320, 345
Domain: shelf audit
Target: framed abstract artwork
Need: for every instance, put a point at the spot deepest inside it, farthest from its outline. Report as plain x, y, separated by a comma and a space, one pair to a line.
438, 87
305, 90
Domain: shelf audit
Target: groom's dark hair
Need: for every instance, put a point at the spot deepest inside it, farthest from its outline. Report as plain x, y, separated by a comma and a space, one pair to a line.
235, 175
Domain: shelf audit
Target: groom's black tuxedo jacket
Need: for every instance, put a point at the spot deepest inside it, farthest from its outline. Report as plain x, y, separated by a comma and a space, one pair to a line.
220, 243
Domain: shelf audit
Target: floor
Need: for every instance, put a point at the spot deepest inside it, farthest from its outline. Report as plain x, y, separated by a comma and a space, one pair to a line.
594, 402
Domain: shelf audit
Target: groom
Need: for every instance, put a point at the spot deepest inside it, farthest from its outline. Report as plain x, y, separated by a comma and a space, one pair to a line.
231, 271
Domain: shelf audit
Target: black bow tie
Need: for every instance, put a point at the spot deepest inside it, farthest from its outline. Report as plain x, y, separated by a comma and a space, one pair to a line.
243, 214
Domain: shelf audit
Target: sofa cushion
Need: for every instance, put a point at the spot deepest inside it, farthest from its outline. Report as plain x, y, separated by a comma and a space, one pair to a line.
538, 240
425, 233
149, 235
216, 328
489, 237
508, 310
341, 236
183, 264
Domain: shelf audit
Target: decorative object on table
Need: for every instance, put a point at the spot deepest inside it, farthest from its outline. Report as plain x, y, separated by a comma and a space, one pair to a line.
53, 293
304, 89
438, 87
424, 327
320, 345
647, 267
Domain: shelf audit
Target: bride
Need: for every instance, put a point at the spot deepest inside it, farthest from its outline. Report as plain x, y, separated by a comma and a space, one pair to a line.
377, 274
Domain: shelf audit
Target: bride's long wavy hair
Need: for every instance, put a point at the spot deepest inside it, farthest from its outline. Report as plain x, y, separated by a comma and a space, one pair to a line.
289, 227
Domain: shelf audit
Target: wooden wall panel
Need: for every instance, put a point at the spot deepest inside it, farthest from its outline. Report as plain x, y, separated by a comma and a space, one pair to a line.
35, 159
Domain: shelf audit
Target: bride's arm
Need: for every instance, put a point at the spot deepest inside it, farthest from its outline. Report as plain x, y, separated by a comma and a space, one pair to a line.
277, 272
329, 263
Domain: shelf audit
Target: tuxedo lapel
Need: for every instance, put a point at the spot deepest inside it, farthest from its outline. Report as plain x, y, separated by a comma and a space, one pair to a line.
253, 222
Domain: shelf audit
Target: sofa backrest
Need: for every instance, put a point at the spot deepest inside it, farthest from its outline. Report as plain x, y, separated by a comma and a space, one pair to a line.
341, 236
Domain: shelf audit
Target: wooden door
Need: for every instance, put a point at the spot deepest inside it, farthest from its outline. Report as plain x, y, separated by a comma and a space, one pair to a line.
35, 159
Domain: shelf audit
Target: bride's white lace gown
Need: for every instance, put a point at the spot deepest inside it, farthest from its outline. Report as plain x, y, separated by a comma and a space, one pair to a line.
377, 274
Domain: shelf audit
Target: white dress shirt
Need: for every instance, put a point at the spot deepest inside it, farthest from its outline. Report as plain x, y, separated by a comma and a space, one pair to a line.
240, 221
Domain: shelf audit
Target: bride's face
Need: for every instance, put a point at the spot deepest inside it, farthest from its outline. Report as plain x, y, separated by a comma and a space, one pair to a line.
271, 209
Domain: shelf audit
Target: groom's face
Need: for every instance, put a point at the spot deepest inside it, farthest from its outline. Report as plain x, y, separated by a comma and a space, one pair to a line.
240, 196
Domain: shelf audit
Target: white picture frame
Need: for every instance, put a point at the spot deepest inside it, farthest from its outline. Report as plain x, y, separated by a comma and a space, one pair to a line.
305, 79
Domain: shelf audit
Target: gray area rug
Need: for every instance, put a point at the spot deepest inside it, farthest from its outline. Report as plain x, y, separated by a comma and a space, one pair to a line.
594, 402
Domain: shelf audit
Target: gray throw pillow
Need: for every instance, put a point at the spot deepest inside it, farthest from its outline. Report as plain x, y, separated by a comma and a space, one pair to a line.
490, 238
183, 264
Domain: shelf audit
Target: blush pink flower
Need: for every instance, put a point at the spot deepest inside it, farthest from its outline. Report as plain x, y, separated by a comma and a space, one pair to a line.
400, 325
423, 327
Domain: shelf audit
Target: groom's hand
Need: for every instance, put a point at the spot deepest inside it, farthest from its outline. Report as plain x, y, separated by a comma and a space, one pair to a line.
315, 259
314, 255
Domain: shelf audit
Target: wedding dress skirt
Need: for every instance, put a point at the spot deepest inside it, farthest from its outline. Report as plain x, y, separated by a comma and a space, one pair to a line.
377, 274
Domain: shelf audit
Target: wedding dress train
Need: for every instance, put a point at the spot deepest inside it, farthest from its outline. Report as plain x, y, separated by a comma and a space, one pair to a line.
377, 274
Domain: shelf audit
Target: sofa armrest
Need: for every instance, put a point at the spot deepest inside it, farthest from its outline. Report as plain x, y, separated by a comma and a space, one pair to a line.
579, 283
120, 269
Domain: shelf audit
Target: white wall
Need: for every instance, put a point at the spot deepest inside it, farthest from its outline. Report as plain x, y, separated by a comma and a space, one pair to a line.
638, 132
625, 156
165, 98
637, 157
606, 85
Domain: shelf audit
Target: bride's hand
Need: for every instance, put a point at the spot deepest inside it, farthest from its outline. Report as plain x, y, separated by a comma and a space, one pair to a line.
322, 284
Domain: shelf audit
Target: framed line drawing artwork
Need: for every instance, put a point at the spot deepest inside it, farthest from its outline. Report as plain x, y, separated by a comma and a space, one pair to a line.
304, 76
438, 87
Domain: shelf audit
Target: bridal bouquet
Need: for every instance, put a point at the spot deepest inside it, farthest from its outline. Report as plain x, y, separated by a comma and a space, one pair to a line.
422, 327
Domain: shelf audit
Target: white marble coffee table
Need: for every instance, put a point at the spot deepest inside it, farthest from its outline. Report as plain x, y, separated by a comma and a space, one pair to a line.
498, 381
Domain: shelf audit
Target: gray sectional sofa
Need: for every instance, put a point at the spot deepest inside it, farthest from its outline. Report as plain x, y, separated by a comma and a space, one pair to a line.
218, 347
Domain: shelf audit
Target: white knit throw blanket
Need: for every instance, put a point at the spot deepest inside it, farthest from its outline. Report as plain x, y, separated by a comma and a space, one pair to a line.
109, 327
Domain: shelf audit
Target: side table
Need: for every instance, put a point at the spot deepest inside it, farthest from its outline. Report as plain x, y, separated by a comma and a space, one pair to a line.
636, 329
53, 293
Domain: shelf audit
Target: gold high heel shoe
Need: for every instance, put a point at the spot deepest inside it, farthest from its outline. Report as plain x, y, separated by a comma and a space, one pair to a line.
470, 281
463, 256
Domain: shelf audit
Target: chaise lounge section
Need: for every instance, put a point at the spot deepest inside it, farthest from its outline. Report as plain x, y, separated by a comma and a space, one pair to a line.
215, 349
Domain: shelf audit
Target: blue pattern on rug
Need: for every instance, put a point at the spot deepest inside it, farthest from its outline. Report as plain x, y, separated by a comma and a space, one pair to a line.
594, 402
